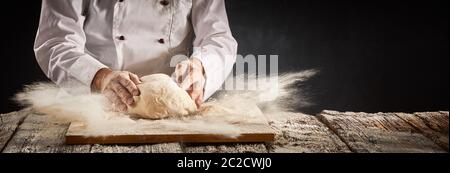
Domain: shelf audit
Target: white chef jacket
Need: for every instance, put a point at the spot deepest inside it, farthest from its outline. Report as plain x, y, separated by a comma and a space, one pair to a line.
76, 38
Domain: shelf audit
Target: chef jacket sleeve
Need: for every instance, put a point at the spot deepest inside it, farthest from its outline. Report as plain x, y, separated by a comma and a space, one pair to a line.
59, 45
214, 44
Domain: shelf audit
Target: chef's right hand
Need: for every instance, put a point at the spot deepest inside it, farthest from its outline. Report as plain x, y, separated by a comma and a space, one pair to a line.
118, 86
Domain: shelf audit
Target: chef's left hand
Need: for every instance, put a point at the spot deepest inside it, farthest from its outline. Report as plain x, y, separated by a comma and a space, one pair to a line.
190, 75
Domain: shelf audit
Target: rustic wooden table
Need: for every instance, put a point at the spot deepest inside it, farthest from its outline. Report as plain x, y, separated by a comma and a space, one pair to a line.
329, 131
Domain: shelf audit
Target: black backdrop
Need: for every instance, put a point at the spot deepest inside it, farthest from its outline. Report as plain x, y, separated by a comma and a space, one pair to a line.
374, 56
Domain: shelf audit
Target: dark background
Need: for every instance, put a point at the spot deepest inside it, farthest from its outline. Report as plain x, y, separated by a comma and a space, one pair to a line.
373, 55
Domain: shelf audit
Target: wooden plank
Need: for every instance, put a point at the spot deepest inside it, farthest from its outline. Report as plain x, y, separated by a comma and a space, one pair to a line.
224, 148
361, 132
301, 133
8, 125
433, 125
37, 134
437, 121
78, 134
167, 148
153, 148
379, 132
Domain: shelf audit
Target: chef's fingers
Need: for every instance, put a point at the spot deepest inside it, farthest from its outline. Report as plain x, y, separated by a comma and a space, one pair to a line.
198, 80
187, 80
181, 72
110, 95
177, 73
198, 88
117, 104
135, 79
125, 81
191, 76
123, 93
197, 96
186, 83
199, 99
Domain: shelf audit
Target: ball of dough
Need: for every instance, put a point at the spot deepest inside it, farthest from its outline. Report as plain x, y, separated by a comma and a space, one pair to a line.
161, 97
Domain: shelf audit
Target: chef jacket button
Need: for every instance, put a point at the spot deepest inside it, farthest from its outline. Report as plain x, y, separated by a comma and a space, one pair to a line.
161, 41
164, 2
121, 37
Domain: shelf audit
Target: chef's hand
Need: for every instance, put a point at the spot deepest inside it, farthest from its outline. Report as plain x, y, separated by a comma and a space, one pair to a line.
118, 86
190, 76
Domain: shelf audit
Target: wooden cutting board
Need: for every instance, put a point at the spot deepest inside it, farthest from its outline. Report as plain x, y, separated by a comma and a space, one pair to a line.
254, 132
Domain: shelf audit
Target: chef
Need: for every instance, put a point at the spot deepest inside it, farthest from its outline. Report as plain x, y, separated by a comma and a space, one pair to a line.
105, 46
